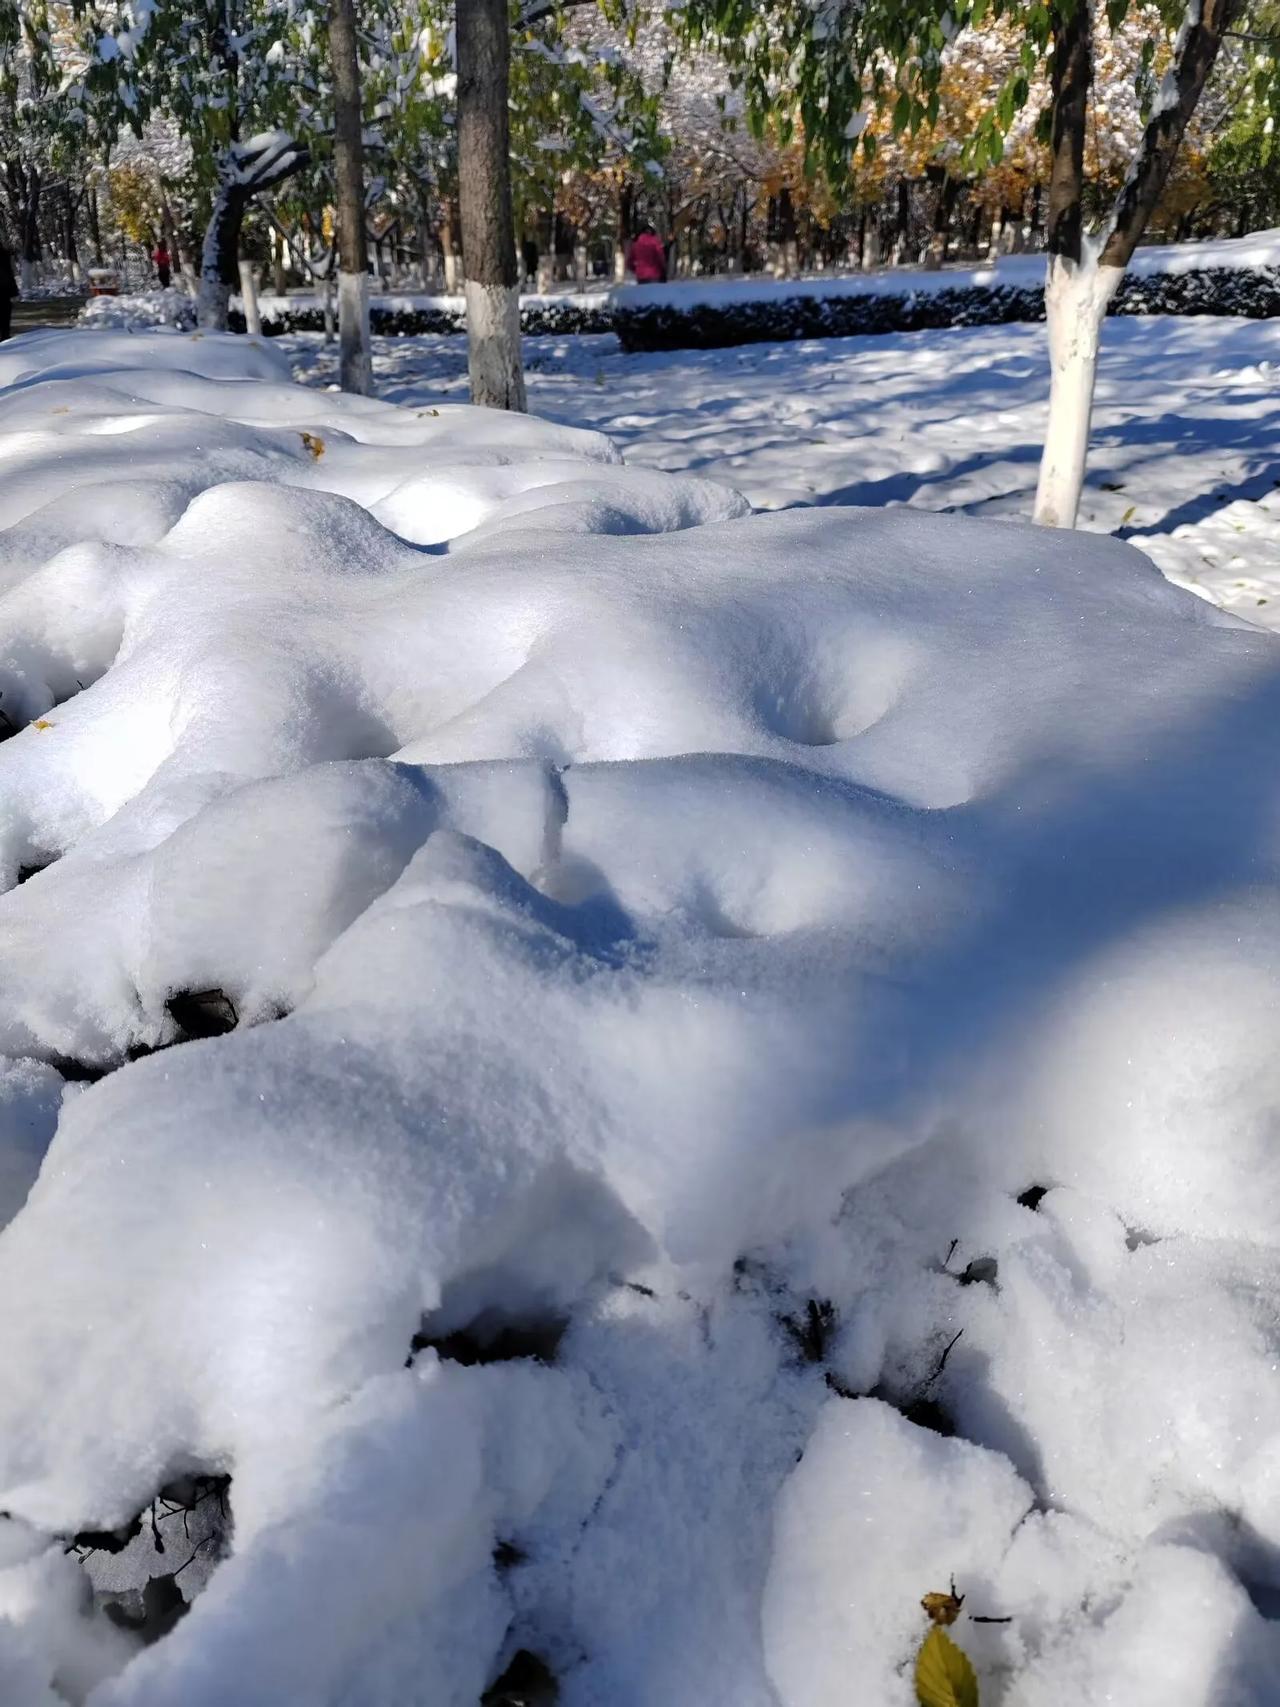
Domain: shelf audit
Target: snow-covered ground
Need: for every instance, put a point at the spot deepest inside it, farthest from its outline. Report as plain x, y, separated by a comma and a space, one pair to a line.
1183, 459
650, 1084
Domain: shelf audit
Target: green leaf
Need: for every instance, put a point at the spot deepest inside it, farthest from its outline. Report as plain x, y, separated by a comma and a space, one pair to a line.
901, 113
944, 1677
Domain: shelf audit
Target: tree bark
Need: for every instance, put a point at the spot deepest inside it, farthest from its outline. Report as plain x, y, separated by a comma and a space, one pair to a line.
488, 225
355, 362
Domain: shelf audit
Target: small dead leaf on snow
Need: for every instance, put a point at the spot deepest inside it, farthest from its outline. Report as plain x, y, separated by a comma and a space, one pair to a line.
423, 413
1131, 511
314, 443
943, 1608
41, 723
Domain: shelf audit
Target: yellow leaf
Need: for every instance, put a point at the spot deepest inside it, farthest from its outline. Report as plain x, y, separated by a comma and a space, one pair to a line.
42, 723
944, 1677
314, 443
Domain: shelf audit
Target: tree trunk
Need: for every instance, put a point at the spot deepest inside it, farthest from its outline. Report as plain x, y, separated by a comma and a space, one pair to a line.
73, 248
1076, 295
249, 297
626, 215
488, 225
786, 258
355, 361
244, 170
30, 231
936, 253
1203, 27
902, 229
95, 228
449, 248
1083, 276
219, 267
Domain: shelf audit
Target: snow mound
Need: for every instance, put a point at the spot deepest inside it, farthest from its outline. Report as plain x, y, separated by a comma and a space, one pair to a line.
141, 311
611, 1080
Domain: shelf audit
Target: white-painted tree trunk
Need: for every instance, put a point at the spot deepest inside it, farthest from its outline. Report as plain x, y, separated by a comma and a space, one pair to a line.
493, 341
355, 365
28, 275
451, 274
1076, 297
330, 319
249, 299
620, 262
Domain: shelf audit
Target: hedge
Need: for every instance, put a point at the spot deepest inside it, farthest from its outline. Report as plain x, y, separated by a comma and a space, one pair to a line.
403, 317
706, 324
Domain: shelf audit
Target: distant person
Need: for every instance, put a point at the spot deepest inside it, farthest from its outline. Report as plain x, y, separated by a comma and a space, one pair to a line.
164, 267
648, 257
8, 290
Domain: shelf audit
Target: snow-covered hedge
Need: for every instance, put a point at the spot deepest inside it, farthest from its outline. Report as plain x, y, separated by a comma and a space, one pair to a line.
1237, 277
597, 1088
392, 316
402, 316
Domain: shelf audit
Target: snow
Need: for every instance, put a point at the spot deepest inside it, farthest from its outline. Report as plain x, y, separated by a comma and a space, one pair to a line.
810, 978
941, 420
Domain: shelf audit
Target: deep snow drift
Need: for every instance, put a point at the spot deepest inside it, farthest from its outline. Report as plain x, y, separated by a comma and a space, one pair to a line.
747, 1081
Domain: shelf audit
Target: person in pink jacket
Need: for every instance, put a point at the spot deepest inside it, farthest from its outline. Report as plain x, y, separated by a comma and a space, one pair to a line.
648, 257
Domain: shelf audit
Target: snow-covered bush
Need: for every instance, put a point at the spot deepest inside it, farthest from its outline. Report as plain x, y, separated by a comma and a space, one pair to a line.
647, 1083
140, 311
